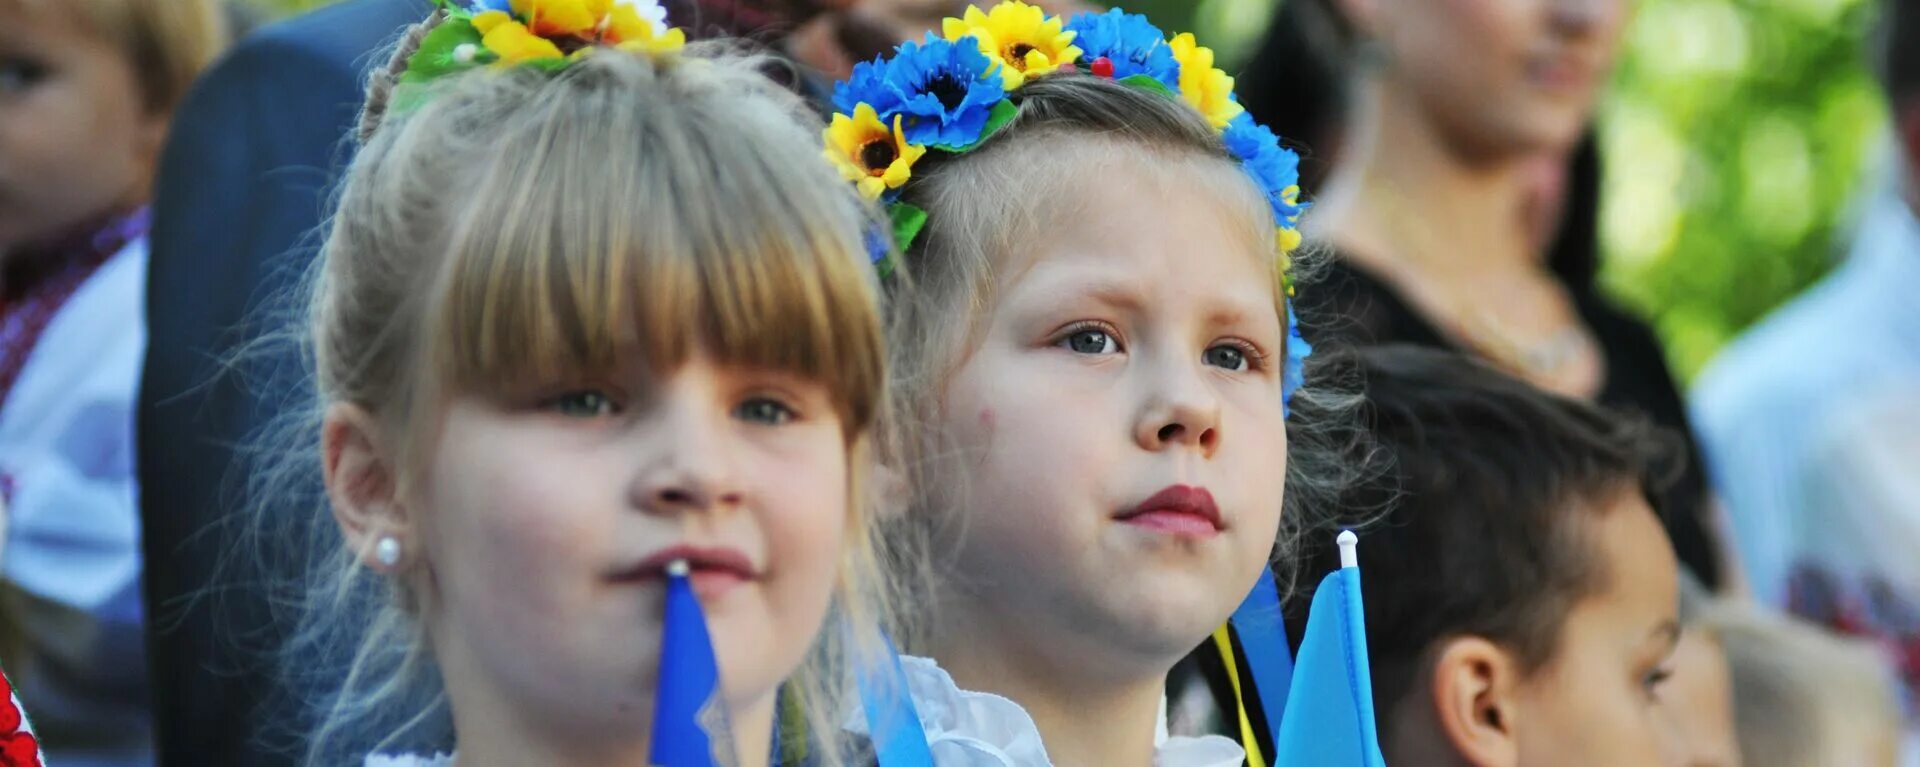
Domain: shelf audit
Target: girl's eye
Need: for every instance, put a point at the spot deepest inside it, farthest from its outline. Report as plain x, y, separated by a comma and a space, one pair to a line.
1090, 341
1650, 684
1226, 356
17, 75
762, 410
583, 404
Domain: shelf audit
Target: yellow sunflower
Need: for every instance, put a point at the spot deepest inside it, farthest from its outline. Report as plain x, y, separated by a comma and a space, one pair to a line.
1023, 38
511, 40
560, 18
869, 154
1204, 86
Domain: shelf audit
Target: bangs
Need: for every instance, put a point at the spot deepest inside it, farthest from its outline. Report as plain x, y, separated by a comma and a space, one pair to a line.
610, 230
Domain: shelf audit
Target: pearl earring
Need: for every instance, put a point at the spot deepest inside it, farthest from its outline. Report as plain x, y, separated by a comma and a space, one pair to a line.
387, 551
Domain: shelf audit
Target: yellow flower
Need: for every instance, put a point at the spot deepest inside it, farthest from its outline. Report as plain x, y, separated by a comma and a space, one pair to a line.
1205, 87
672, 41
1023, 38
559, 18
1287, 240
511, 40
629, 31
869, 154
1287, 236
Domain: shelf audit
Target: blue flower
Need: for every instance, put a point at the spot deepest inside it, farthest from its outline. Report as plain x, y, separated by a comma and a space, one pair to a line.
879, 244
946, 90
1132, 43
1275, 168
1298, 350
869, 85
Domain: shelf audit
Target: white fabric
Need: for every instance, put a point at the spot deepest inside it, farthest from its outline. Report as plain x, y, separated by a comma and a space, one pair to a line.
978, 729
66, 437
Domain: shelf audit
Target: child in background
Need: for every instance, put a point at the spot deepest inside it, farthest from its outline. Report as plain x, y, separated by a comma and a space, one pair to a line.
581, 315
1094, 346
87, 88
1803, 696
1521, 596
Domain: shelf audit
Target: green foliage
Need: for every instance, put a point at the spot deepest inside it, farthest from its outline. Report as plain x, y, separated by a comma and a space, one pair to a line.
1735, 142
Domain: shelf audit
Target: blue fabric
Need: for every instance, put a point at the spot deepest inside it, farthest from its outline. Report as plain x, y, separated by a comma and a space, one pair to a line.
892, 721
1762, 406
1263, 636
1331, 723
689, 680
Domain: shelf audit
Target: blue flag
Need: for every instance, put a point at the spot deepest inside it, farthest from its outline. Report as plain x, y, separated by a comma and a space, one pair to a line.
689, 681
1263, 635
1330, 722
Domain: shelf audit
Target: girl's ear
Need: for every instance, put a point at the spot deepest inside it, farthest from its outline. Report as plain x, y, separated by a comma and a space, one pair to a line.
362, 488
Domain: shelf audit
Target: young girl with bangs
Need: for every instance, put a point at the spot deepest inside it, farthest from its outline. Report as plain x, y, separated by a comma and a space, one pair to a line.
592, 309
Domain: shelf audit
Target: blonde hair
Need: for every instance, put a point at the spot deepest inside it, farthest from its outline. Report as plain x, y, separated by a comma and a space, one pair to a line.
1802, 696
167, 42
524, 222
982, 205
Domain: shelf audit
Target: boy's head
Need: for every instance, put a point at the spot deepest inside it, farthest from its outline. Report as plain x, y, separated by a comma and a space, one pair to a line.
1521, 595
87, 88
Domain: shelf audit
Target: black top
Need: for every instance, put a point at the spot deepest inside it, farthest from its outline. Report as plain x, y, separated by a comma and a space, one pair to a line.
1349, 306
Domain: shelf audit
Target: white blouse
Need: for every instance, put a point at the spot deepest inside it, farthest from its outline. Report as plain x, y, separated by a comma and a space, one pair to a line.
979, 729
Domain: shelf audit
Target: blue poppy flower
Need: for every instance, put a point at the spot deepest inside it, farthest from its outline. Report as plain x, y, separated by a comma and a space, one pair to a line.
1294, 375
868, 85
1275, 168
1129, 41
946, 89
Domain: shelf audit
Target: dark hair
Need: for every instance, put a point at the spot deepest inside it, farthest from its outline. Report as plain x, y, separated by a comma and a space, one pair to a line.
1471, 525
1298, 83
1897, 53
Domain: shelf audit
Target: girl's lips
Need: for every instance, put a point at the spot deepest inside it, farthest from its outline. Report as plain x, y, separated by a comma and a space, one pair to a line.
713, 570
1180, 510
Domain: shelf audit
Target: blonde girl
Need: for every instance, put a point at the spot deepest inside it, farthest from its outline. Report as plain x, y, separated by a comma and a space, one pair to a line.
590, 304
1094, 349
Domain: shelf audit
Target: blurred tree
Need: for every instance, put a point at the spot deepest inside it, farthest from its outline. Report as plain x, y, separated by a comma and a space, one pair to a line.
1735, 136
1736, 139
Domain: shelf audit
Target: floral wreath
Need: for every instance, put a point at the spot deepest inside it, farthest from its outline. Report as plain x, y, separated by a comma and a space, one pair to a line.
549, 34
953, 91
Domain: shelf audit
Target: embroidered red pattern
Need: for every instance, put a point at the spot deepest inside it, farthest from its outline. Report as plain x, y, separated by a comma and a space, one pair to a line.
18, 747
25, 313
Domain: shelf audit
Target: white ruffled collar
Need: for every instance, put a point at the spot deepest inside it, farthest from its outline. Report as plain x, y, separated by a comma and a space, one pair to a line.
979, 729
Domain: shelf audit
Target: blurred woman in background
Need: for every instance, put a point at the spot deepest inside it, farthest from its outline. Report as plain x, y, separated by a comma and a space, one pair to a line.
1461, 193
